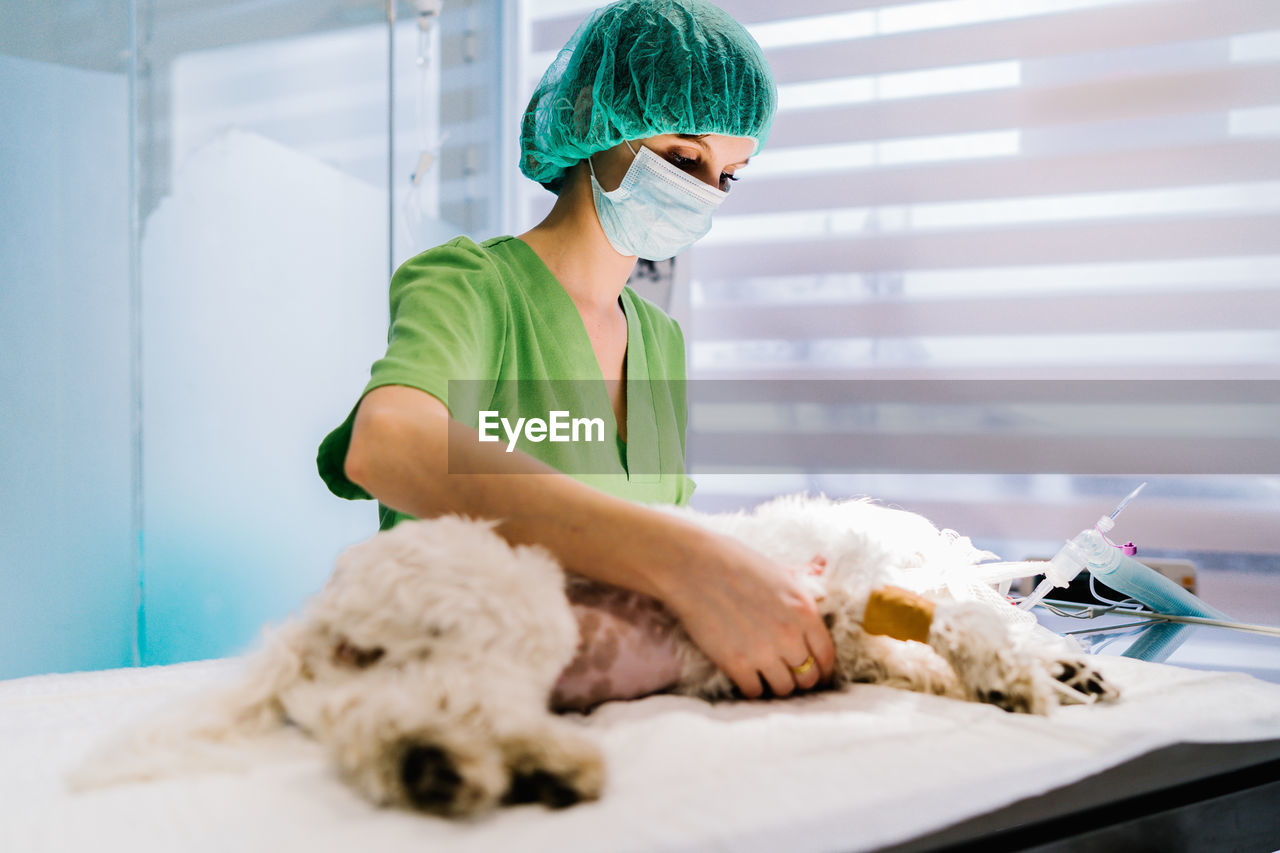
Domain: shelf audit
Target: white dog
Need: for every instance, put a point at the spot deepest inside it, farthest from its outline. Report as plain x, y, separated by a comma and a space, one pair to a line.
427, 662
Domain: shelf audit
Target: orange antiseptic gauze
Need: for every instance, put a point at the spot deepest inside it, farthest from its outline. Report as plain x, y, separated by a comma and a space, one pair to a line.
898, 613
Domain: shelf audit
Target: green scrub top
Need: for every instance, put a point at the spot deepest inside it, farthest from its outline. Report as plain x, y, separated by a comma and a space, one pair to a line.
488, 328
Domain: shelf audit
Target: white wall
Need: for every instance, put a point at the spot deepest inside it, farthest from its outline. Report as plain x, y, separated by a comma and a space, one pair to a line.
68, 585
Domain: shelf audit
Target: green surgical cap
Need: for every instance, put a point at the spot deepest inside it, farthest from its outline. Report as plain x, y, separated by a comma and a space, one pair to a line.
640, 68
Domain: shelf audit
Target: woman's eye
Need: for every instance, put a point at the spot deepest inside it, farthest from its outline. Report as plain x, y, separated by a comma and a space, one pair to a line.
689, 163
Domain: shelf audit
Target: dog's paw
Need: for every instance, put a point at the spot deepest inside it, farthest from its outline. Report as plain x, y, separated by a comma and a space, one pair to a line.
1015, 701
541, 786
557, 768
990, 667
1086, 684
1012, 683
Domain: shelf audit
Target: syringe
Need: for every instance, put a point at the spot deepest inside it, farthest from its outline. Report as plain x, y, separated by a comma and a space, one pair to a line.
1124, 503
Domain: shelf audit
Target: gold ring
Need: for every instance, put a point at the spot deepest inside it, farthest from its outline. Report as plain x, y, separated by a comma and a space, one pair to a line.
804, 667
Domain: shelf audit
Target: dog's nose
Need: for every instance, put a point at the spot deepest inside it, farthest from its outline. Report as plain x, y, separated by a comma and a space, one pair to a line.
430, 780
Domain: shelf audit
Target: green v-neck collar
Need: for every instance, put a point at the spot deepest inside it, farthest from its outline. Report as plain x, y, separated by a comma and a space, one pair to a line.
639, 454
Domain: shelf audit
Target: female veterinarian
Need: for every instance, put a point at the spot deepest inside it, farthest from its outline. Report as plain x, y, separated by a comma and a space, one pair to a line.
638, 127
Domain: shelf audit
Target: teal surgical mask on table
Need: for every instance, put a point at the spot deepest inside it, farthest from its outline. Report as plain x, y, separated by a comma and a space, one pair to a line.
657, 211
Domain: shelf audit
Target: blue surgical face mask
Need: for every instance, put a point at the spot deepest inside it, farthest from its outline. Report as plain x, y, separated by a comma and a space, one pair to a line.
657, 211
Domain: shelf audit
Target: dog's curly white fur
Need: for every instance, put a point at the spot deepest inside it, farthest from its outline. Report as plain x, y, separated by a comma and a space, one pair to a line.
426, 663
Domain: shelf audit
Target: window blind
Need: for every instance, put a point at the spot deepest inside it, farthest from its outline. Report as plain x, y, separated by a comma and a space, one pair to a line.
1082, 191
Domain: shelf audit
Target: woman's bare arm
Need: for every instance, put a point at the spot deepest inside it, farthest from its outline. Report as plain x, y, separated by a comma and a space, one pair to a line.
747, 613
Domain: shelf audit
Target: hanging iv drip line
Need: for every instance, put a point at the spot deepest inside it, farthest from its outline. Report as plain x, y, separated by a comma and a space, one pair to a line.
427, 13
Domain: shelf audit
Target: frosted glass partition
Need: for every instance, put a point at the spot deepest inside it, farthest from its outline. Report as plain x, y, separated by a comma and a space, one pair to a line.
264, 257
263, 305
263, 265
68, 585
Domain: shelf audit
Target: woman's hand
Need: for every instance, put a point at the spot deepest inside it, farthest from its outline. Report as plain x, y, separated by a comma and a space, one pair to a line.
753, 618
